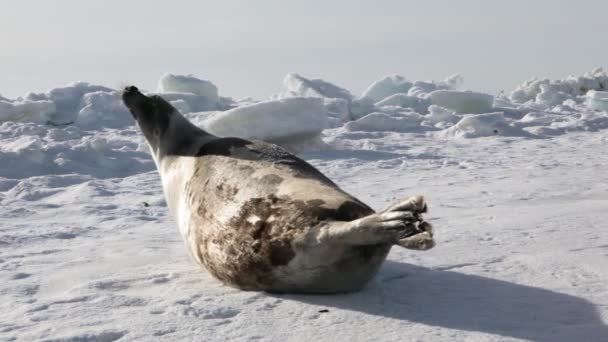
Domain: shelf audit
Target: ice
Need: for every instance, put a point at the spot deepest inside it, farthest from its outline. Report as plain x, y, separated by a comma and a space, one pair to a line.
67, 100
59, 106
300, 86
338, 108
207, 91
569, 87
290, 120
405, 101
517, 197
463, 101
597, 100
26, 110
483, 125
103, 109
381, 122
440, 117
31, 149
386, 87
191, 102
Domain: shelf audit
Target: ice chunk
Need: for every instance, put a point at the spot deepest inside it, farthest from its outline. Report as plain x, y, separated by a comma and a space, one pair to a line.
463, 101
401, 100
361, 107
26, 110
386, 87
204, 89
573, 86
103, 109
374, 122
597, 100
286, 121
31, 149
439, 117
300, 86
483, 125
338, 108
421, 88
454, 82
194, 102
67, 100
540, 119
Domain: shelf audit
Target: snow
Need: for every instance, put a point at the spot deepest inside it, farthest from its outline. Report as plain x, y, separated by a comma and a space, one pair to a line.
516, 192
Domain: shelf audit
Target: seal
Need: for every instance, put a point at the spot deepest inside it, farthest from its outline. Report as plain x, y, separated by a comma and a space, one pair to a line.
259, 218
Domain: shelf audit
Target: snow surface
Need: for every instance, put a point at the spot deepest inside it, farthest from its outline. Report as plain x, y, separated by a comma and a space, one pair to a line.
517, 194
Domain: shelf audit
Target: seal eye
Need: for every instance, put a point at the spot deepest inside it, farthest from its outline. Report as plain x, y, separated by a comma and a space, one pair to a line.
157, 132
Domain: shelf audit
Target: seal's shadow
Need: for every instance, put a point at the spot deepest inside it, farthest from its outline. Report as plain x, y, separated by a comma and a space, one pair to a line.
460, 301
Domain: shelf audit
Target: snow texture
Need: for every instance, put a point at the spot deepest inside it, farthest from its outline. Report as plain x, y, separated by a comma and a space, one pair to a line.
516, 191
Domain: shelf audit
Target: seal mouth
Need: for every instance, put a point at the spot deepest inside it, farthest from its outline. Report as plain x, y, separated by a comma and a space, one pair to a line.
131, 96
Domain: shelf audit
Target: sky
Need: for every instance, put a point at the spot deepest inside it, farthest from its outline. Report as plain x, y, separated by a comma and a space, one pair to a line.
246, 47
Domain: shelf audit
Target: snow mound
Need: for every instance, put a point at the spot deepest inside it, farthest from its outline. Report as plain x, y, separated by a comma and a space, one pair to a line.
569, 87
303, 87
30, 149
170, 83
389, 85
59, 106
439, 117
289, 120
463, 101
103, 109
382, 122
597, 100
26, 110
483, 125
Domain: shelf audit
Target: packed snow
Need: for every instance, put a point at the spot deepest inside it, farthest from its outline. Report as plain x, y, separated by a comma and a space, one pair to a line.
515, 185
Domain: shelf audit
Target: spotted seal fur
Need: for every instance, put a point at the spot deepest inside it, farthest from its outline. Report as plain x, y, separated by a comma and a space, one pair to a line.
259, 218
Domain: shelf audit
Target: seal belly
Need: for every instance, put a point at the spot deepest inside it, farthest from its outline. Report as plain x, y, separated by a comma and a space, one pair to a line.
244, 220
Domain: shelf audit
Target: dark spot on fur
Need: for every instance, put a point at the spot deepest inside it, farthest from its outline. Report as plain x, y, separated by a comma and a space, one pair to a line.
271, 180
246, 169
315, 202
280, 252
226, 192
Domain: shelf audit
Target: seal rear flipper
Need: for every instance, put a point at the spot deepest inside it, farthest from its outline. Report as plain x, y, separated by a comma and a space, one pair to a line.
400, 224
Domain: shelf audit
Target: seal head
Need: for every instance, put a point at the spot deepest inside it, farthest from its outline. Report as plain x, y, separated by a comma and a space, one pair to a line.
152, 113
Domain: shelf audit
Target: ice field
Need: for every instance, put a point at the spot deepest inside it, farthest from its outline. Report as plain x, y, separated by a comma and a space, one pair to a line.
516, 185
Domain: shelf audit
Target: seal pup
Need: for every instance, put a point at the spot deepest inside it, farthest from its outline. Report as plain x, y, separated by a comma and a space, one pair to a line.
259, 218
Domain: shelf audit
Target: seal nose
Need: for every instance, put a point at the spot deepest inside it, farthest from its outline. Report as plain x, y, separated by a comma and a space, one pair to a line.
130, 91
130, 94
